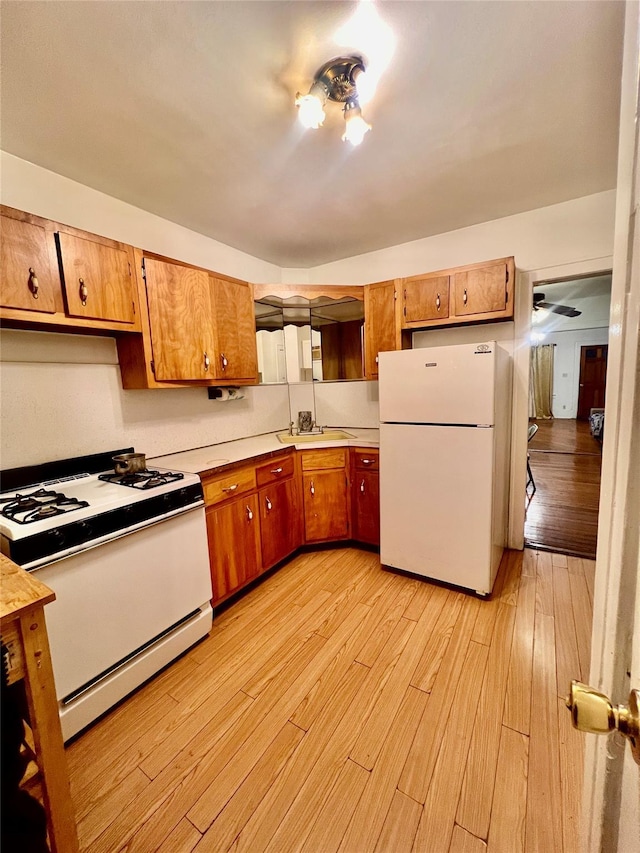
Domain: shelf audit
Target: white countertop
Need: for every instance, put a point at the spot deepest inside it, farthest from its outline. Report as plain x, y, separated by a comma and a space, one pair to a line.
204, 459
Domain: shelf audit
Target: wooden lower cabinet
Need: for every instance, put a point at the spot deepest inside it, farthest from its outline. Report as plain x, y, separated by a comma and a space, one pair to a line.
259, 514
365, 497
234, 545
279, 522
325, 494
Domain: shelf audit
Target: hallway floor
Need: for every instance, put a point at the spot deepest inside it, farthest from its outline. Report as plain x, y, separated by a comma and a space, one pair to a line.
562, 514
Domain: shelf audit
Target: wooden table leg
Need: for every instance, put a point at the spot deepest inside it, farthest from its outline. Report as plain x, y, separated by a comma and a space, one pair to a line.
47, 733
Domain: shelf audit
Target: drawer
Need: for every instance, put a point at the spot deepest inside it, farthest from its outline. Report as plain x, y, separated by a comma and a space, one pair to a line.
366, 460
230, 485
314, 459
278, 469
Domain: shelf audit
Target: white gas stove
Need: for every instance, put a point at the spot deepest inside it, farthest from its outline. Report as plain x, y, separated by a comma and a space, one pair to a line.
127, 557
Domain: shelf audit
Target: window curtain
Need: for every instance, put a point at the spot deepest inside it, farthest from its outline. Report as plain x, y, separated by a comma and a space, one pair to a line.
541, 382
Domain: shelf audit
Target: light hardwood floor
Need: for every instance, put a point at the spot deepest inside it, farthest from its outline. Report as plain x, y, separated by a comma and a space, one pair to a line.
339, 707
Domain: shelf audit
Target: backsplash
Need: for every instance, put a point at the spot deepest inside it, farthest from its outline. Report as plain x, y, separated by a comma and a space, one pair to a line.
62, 396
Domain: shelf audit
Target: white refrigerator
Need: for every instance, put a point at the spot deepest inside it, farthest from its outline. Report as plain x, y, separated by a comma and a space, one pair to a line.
445, 417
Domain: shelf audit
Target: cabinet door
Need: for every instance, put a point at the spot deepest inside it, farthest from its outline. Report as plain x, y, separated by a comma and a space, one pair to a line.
326, 509
97, 279
425, 298
29, 276
234, 545
180, 318
381, 330
366, 507
278, 522
236, 355
480, 291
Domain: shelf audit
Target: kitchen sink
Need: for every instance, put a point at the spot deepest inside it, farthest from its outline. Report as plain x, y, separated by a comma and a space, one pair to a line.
327, 435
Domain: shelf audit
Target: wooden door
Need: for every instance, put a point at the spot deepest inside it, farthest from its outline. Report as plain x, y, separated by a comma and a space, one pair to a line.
326, 510
234, 545
98, 282
29, 276
425, 298
236, 354
180, 318
482, 290
381, 330
593, 379
278, 522
365, 505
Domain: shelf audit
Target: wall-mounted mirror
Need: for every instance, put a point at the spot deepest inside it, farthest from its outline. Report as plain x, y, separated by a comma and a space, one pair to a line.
305, 340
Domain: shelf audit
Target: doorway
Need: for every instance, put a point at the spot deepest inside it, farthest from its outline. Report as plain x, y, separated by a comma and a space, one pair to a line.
570, 321
593, 379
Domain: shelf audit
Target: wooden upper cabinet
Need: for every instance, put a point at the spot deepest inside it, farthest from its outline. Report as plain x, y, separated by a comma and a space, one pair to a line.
381, 327
481, 290
180, 320
425, 297
29, 277
234, 325
97, 277
470, 294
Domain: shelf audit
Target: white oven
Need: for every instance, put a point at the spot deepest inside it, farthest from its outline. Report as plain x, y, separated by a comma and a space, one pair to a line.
130, 570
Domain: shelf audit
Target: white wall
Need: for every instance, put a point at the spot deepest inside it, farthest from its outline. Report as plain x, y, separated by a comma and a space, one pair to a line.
566, 367
62, 396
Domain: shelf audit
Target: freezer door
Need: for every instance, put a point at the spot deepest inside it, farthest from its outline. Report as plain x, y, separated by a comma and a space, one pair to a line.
436, 502
438, 385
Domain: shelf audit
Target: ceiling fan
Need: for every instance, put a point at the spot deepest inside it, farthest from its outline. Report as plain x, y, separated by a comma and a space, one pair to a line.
565, 310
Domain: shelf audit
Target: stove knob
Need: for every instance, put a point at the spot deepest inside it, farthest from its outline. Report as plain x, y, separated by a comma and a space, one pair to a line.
58, 538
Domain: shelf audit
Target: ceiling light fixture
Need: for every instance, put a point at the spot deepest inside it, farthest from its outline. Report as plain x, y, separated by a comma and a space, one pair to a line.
335, 81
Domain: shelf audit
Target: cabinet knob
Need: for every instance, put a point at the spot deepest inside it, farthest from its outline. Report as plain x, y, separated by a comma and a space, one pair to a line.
249, 513
268, 504
362, 487
84, 291
207, 362
438, 302
224, 361
34, 287
464, 296
312, 488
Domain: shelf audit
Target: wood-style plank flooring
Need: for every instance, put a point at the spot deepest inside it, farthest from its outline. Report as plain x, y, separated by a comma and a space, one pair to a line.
562, 514
339, 707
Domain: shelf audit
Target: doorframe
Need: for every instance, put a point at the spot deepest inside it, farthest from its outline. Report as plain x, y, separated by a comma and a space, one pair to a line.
526, 281
615, 624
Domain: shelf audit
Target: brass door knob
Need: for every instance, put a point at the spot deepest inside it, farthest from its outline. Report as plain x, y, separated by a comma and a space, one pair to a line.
592, 711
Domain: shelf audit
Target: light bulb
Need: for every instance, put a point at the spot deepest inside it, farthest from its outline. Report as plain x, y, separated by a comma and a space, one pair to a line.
310, 111
355, 128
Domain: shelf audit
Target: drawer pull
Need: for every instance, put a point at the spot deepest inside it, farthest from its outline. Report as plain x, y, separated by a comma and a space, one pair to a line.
34, 287
312, 488
438, 302
268, 504
362, 487
249, 514
224, 361
276, 470
464, 298
84, 291
207, 362
230, 488
367, 461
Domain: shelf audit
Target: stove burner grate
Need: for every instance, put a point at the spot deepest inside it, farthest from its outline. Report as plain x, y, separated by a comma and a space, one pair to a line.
38, 505
142, 479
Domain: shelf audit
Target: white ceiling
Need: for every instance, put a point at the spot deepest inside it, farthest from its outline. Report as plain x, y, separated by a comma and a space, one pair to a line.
186, 109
